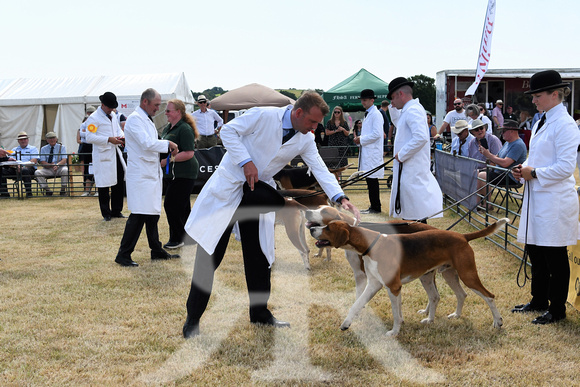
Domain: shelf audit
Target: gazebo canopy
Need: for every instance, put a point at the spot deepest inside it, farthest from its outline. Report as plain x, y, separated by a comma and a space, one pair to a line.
249, 96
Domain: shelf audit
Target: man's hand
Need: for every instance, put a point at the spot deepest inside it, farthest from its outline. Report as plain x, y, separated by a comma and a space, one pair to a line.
352, 208
115, 140
251, 173
173, 148
356, 140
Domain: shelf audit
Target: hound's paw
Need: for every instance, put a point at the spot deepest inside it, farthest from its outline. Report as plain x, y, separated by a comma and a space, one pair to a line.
392, 333
422, 311
344, 326
498, 324
426, 321
454, 315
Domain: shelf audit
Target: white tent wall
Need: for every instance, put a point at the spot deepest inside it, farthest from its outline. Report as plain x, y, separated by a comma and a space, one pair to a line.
68, 120
15, 119
23, 102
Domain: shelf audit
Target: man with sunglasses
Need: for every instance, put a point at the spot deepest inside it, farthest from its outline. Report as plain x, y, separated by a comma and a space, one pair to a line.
484, 139
452, 117
205, 119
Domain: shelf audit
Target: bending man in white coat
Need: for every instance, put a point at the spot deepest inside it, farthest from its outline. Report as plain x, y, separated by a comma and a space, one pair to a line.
416, 194
104, 132
144, 179
371, 143
259, 143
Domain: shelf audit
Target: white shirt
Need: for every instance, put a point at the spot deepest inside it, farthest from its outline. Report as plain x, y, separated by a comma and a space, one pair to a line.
206, 120
452, 117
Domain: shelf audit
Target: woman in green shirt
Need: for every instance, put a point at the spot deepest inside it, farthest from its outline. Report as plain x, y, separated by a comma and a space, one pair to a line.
179, 173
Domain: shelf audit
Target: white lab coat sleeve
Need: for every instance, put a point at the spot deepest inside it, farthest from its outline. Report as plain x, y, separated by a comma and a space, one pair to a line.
417, 123
96, 138
232, 133
376, 132
140, 136
566, 142
326, 179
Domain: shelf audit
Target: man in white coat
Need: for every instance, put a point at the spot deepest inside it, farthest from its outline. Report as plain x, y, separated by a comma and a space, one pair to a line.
259, 143
104, 132
144, 179
416, 194
549, 217
371, 143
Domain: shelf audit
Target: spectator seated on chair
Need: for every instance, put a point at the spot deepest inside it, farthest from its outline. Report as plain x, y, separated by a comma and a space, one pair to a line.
53, 158
25, 152
513, 152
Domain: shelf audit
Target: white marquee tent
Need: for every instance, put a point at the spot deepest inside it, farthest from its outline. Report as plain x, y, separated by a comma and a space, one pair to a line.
41, 105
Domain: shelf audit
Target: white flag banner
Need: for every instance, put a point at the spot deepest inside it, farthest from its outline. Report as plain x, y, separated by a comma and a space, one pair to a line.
485, 49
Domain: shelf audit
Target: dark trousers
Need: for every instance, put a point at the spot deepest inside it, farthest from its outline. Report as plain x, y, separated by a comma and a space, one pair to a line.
256, 268
177, 206
3, 187
550, 277
133, 229
374, 193
116, 197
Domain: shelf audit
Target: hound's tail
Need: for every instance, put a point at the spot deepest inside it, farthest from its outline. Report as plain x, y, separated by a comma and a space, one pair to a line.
486, 231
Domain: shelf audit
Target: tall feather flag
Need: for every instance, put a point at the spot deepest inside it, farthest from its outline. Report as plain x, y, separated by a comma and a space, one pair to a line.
485, 48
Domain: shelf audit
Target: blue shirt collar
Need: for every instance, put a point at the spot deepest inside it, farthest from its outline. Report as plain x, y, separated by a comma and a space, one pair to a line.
286, 119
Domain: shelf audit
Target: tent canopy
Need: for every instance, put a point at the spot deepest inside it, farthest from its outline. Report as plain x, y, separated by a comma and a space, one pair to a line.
40, 105
346, 94
249, 96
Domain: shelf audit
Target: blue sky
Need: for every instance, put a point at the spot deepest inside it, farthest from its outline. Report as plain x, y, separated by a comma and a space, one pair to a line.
281, 44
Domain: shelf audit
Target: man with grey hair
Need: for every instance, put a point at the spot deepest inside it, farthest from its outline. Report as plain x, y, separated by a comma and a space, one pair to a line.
474, 113
53, 159
144, 179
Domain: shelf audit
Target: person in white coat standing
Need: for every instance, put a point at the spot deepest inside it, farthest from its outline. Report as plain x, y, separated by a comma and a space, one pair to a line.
259, 143
144, 179
371, 143
416, 194
549, 216
104, 132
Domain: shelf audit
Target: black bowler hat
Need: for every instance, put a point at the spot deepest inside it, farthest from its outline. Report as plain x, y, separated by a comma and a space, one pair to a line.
367, 93
397, 83
546, 80
263, 199
109, 100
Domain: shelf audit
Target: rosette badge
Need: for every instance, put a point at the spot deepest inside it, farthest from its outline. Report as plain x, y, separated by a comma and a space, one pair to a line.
92, 128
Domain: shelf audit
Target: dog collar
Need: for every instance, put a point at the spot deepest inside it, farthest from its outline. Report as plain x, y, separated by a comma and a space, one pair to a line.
372, 245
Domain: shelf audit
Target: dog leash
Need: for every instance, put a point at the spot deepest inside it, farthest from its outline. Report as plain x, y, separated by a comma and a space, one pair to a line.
372, 245
398, 196
524, 261
348, 182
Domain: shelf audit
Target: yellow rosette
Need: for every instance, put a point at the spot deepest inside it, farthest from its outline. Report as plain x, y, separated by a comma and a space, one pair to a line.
92, 128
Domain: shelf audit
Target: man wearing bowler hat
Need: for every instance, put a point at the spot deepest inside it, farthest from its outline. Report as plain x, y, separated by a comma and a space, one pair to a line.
549, 216
104, 132
415, 193
259, 143
371, 141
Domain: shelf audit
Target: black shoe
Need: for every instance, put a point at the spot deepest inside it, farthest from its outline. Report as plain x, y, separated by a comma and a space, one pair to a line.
48, 193
126, 262
370, 211
548, 318
190, 329
29, 194
529, 307
63, 192
274, 323
107, 218
163, 255
173, 245
119, 215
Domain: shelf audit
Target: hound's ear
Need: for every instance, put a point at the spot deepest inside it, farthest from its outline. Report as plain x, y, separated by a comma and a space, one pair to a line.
340, 234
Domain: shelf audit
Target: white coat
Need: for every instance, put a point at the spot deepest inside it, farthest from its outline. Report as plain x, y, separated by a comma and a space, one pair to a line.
420, 193
257, 134
104, 153
371, 143
550, 208
144, 175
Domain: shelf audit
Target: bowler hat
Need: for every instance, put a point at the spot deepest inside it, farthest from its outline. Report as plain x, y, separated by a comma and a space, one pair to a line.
22, 135
510, 125
546, 80
460, 126
109, 100
367, 93
263, 199
397, 83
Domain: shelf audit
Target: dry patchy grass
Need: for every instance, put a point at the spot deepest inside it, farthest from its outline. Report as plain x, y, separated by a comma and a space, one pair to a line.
70, 316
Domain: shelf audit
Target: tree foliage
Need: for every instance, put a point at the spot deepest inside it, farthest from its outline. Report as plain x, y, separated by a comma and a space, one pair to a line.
210, 94
424, 89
